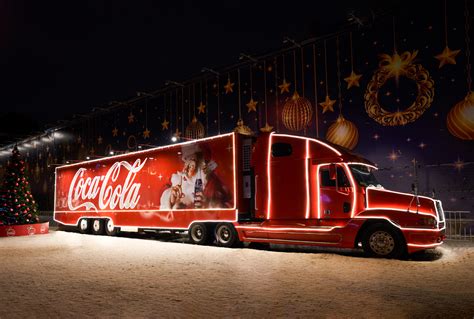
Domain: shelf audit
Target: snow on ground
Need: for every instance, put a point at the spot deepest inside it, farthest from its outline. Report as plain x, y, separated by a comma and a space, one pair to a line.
66, 274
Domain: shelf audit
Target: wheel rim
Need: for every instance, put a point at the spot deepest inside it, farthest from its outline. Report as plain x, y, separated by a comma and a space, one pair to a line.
96, 225
83, 224
197, 233
110, 225
382, 243
224, 234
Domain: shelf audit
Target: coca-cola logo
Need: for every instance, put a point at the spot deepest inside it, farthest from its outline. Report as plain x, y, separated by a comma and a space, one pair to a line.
10, 232
84, 190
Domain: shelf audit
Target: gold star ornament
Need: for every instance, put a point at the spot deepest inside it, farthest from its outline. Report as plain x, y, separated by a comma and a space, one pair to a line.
131, 118
267, 128
115, 131
164, 125
328, 104
252, 106
201, 108
146, 133
99, 140
447, 57
284, 87
353, 80
229, 86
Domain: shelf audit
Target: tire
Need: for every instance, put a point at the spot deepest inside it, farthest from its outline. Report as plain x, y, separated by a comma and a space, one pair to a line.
382, 241
199, 234
110, 229
98, 227
226, 235
84, 226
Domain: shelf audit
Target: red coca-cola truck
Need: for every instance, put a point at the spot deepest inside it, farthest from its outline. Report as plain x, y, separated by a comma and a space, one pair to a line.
231, 188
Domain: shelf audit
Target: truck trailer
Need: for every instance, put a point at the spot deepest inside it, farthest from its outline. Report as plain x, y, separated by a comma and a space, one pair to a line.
233, 188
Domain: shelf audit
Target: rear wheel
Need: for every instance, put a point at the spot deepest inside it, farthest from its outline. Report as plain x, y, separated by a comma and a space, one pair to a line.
110, 228
383, 241
84, 226
98, 227
226, 235
199, 234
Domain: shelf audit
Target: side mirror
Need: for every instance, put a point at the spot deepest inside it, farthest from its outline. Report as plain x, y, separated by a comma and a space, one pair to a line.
332, 171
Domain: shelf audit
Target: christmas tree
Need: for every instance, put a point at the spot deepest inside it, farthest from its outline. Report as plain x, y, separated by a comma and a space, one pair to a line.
17, 204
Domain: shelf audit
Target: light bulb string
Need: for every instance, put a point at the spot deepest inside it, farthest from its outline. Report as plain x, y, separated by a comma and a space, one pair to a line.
315, 90
265, 89
326, 67
240, 100
182, 109
294, 68
339, 88
276, 95
468, 43
251, 82
302, 71
445, 24
194, 99
352, 52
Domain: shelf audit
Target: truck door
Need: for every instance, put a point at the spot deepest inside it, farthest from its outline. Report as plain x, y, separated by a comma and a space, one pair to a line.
335, 192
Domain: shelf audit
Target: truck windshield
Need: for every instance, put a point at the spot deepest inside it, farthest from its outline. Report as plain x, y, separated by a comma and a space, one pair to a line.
364, 176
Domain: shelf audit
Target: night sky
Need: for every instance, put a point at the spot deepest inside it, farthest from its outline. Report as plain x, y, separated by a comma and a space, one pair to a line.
61, 59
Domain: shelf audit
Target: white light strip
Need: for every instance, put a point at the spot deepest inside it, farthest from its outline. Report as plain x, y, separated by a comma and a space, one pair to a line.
364, 164
148, 150
269, 181
398, 226
322, 229
425, 245
354, 193
308, 203
311, 139
318, 200
402, 210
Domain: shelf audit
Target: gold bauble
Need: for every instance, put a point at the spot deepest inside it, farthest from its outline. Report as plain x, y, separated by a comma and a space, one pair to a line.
297, 112
460, 120
194, 130
343, 133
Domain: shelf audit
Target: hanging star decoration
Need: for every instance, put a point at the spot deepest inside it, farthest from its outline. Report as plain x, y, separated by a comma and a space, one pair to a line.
447, 57
131, 118
396, 64
284, 87
146, 133
459, 164
164, 125
201, 108
267, 128
328, 104
177, 134
115, 131
229, 86
99, 140
393, 156
252, 106
353, 80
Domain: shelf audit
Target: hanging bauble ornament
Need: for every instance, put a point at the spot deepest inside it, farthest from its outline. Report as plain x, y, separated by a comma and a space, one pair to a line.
243, 129
460, 119
297, 112
343, 133
195, 129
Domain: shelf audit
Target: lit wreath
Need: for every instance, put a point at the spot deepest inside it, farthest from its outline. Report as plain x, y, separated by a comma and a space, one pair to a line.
396, 66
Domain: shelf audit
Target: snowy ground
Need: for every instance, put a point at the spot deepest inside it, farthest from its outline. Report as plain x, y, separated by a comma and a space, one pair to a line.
65, 274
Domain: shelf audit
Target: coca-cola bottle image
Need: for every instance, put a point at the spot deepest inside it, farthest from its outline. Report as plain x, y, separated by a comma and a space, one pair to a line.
198, 189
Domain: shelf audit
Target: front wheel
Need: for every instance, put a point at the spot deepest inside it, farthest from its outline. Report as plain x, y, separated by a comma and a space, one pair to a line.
226, 235
382, 241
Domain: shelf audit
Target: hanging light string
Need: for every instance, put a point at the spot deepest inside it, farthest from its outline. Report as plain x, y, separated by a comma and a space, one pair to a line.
302, 71
207, 112
394, 35
171, 113
352, 52
294, 69
194, 99
339, 89
445, 24
265, 89
467, 39
240, 106
251, 82
218, 106
146, 113
189, 104
276, 95
326, 67
182, 108
315, 91
164, 106
177, 108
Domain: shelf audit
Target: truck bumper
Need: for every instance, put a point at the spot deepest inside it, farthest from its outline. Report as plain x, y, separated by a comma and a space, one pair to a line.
422, 240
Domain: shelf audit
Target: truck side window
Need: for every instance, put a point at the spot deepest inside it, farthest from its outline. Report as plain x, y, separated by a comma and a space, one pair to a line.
342, 180
325, 178
281, 149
